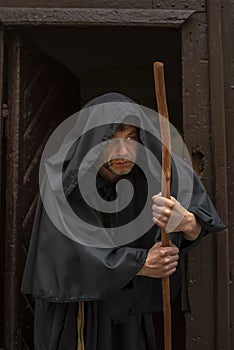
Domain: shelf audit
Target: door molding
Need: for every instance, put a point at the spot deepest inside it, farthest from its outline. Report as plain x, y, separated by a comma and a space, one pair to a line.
218, 127
93, 17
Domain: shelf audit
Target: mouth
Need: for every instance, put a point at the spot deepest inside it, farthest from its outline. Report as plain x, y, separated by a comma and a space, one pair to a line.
119, 166
122, 162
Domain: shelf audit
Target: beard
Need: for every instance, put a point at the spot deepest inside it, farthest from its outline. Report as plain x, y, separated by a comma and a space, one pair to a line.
118, 166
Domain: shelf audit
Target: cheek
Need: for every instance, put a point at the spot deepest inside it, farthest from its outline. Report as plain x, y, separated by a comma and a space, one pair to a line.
134, 152
106, 155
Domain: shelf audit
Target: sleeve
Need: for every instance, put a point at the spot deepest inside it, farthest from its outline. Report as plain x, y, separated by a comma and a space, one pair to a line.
188, 189
59, 269
203, 209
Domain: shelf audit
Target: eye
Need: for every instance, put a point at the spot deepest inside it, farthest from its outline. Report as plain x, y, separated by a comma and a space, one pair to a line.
132, 138
127, 140
112, 142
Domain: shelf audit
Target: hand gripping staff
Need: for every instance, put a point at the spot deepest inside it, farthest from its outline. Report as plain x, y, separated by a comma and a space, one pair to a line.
166, 179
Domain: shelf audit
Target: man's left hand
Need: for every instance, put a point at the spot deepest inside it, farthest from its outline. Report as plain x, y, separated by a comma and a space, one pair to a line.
171, 216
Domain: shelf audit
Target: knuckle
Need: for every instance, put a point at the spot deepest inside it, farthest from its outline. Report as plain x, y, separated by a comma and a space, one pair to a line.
162, 252
172, 271
167, 210
171, 205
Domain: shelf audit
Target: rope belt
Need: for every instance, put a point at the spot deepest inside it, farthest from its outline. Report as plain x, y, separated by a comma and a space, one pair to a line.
80, 326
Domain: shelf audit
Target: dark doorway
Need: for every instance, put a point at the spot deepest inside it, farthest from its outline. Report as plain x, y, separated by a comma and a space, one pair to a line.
118, 59
101, 60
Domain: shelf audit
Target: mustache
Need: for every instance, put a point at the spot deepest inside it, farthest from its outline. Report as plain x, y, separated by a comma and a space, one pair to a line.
110, 163
122, 160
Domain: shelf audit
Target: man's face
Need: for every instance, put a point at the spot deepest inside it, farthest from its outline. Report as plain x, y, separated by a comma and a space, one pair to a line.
121, 150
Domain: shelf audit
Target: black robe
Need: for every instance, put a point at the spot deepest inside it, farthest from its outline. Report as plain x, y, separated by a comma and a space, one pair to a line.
60, 272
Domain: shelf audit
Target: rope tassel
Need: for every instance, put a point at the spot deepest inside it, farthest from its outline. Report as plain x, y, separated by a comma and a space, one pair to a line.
80, 326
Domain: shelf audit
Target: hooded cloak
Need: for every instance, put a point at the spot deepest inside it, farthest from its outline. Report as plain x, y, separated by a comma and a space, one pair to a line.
62, 270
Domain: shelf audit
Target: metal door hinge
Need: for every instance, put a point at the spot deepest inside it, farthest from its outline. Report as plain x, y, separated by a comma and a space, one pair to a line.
5, 110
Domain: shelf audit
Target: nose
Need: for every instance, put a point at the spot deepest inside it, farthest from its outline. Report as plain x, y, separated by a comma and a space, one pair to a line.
121, 149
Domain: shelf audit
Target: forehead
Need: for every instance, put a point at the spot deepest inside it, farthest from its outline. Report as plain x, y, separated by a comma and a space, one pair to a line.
125, 129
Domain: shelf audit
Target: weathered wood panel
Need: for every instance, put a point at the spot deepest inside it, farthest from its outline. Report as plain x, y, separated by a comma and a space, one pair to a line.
93, 17
228, 52
200, 323
2, 192
12, 329
78, 3
198, 5
218, 140
25, 141
196, 92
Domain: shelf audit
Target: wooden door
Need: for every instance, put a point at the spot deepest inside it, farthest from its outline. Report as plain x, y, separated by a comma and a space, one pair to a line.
41, 93
2, 214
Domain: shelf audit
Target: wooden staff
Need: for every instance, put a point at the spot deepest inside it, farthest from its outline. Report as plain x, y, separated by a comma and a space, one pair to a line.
166, 179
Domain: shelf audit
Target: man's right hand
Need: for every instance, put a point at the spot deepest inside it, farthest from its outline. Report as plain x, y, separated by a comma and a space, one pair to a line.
160, 262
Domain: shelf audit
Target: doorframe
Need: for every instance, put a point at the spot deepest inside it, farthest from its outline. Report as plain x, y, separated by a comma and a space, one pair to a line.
2, 193
218, 127
64, 17
194, 66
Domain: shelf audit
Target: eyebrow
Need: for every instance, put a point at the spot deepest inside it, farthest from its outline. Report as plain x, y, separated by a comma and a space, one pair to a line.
133, 132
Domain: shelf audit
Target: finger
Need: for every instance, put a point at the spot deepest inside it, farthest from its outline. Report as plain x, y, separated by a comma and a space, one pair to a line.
157, 245
160, 217
156, 211
172, 265
171, 250
169, 273
159, 200
160, 222
163, 219
174, 200
174, 251
157, 208
168, 260
165, 252
170, 204
166, 211
164, 202
157, 195
174, 258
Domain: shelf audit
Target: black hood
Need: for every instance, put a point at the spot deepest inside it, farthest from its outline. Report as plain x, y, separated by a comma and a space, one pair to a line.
93, 125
